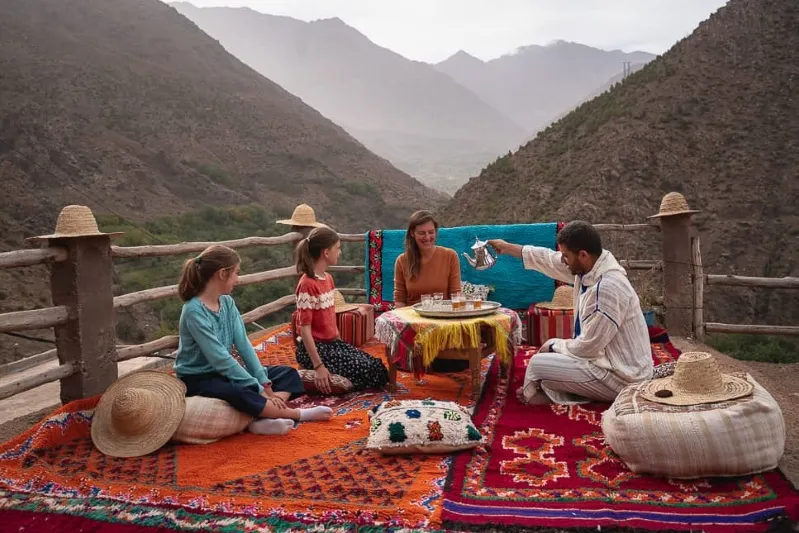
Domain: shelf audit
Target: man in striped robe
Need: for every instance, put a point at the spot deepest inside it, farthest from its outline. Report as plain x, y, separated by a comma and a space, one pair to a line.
610, 348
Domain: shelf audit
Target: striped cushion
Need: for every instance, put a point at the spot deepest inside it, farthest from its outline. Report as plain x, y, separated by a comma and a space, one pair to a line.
545, 324
731, 438
357, 326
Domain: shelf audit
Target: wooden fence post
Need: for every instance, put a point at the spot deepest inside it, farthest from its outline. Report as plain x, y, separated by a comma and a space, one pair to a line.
678, 295
83, 283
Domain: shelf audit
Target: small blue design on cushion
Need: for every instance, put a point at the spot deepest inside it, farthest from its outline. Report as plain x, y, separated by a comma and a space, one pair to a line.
413, 413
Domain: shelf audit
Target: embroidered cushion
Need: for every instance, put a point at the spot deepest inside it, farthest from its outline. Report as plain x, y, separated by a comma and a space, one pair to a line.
357, 326
421, 426
731, 438
208, 420
338, 384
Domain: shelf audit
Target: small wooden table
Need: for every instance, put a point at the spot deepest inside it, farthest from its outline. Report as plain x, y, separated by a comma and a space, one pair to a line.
406, 333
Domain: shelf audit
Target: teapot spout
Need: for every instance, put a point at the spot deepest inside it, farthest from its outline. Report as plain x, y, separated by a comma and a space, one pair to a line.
471, 261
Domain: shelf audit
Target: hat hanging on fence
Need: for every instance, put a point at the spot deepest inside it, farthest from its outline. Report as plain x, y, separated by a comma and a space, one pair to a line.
75, 221
672, 204
138, 414
563, 299
303, 216
341, 304
696, 380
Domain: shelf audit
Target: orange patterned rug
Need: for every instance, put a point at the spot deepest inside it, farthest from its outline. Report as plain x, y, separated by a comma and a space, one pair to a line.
318, 473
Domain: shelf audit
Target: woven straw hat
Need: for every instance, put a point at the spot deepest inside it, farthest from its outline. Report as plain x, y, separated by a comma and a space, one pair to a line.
563, 299
341, 304
138, 414
672, 204
696, 380
303, 215
74, 221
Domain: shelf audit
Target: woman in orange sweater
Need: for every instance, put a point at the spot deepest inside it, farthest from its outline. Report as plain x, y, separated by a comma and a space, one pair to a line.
424, 268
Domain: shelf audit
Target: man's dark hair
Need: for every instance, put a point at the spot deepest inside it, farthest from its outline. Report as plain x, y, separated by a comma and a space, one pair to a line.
580, 235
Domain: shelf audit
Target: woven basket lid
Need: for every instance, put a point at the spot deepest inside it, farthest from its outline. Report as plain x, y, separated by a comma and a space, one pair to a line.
138, 414
672, 204
74, 221
697, 380
563, 299
341, 304
303, 216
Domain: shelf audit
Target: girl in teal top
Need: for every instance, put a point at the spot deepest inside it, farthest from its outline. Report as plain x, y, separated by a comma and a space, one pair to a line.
210, 327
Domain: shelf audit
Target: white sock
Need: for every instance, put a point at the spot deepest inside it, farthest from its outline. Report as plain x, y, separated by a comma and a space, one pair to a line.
316, 413
271, 426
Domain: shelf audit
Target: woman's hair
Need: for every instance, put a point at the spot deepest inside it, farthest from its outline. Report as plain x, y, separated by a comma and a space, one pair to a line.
411, 248
310, 249
198, 270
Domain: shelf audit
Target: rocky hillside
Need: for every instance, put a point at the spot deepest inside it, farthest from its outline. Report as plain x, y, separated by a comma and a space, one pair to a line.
716, 118
537, 84
407, 111
128, 106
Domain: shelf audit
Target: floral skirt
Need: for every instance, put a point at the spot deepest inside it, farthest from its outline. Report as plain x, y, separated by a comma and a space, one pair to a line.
343, 359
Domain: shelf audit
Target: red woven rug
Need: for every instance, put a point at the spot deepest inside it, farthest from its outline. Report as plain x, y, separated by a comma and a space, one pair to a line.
548, 467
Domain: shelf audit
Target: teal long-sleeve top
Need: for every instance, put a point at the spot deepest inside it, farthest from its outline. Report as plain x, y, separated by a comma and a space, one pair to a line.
206, 339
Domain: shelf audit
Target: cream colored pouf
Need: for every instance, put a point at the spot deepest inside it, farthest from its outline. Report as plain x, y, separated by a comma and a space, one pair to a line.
730, 438
207, 420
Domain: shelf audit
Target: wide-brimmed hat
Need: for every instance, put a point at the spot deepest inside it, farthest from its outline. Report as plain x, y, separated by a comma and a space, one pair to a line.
563, 299
341, 304
696, 380
672, 204
138, 414
303, 215
75, 221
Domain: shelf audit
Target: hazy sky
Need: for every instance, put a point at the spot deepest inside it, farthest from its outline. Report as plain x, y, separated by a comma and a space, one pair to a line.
432, 30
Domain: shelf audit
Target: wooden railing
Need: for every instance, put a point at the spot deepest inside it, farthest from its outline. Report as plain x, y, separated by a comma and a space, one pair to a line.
83, 311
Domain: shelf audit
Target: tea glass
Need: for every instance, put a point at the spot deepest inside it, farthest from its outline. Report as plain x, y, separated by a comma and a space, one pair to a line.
427, 302
438, 301
458, 301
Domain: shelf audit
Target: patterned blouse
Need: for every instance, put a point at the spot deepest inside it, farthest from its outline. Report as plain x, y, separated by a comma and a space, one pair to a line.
316, 306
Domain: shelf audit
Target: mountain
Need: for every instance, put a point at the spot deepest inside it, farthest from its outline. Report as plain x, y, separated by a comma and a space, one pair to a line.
536, 84
419, 118
715, 118
127, 106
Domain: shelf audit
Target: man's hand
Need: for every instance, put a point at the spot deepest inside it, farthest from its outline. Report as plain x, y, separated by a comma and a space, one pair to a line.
322, 380
547, 346
505, 247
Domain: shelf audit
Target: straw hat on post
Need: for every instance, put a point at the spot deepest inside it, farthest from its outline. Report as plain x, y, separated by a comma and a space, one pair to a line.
303, 216
696, 380
341, 304
138, 414
74, 221
673, 204
563, 299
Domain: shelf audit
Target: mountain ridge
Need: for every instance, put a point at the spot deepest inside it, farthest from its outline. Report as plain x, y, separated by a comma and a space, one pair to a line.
713, 118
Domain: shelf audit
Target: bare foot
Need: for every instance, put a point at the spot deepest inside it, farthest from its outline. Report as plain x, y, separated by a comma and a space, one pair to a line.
539, 398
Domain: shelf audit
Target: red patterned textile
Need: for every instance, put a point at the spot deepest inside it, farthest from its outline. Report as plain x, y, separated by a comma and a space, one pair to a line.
548, 466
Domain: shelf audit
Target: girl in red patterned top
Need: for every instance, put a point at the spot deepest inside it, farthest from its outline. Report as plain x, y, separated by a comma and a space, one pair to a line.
321, 348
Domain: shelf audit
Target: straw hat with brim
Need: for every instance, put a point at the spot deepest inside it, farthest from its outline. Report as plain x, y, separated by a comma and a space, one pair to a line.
672, 204
303, 215
74, 221
341, 304
563, 299
138, 414
696, 380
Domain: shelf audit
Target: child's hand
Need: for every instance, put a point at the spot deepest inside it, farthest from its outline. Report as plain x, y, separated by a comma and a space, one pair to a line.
278, 402
322, 380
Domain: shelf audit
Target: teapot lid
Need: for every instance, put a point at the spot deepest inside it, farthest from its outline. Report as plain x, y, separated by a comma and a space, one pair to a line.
479, 244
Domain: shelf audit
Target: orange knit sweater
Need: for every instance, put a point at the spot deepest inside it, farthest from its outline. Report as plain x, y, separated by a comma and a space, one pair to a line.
441, 273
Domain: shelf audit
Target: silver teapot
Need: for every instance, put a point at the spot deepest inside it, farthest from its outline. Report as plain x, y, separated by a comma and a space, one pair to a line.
484, 256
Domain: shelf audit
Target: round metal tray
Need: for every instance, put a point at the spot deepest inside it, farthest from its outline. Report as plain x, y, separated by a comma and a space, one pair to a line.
488, 308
